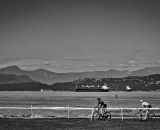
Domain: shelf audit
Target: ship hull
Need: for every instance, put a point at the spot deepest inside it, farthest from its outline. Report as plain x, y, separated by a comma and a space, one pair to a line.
91, 90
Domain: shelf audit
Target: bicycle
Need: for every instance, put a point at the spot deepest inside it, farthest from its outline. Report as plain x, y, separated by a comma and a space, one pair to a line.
141, 115
97, 115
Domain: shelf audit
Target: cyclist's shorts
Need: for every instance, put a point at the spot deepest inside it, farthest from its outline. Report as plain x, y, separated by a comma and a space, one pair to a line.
149, 106
104, 105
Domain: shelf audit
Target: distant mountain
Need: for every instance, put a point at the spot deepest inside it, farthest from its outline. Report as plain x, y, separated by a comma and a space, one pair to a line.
11, 78
49, 77
146, 71
40, 75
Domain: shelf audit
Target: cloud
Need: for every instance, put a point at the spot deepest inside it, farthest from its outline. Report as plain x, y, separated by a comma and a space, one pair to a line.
79, 58
125, 65
96, 66
29, 65
7, 60
35, 63
11, 60
88, 66
46, 63
65, 66
142, 50
131, 62
135, 64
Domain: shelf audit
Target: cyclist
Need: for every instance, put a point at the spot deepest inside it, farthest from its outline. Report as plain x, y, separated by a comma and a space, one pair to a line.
101, 105
145, 105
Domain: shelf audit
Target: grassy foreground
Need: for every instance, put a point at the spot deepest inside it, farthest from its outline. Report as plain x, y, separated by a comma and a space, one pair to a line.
76, 124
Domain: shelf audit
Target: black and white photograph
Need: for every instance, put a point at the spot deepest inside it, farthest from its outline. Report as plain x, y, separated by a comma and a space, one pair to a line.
79, 64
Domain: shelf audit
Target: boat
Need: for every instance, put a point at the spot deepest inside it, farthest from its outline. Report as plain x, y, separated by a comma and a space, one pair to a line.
128, 88
92, 88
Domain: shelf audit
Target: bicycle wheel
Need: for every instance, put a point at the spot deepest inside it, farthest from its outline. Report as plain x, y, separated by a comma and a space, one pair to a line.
107, 116
138, 116
151, 116
95, 115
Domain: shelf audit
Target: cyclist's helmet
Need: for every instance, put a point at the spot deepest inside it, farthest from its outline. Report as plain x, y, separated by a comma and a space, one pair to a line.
141, 101
98, 98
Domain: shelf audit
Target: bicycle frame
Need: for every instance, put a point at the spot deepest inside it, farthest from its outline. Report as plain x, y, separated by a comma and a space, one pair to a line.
144, 114
96, 115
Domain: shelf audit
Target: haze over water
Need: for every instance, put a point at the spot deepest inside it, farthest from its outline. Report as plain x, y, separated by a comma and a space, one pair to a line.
79, 35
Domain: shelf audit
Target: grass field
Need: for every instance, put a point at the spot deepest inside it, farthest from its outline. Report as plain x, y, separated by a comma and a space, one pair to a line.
77, 99
76, 124
73, 99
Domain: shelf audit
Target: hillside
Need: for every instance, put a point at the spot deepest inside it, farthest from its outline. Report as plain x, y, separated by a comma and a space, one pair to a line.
146, 71
11, 79
29, 86
49, 77
136, 83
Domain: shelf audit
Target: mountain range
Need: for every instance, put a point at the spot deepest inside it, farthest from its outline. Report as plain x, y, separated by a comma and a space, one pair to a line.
48, 77
12, 78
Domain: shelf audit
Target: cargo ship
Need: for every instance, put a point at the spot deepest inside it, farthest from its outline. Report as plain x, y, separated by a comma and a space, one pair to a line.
91, 90
128, 88
104, 88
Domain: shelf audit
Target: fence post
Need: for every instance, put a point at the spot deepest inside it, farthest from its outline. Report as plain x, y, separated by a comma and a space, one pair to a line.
31, 112
122, 113
68, 112
102, 111
91, 114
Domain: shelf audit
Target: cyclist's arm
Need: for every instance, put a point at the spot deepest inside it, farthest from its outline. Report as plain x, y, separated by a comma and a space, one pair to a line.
143, 108
98, 105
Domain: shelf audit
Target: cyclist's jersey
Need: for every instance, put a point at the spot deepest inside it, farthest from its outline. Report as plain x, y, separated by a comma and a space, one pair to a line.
102, 104
146, 105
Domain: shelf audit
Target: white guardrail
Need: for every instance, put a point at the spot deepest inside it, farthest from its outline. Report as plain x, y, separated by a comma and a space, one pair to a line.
68, 108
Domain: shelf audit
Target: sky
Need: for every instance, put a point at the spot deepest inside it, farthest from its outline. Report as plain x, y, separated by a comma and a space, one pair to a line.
79, 35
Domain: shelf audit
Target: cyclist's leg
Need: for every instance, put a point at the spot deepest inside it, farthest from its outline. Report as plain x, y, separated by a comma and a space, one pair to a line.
137, 115
142, 114
146, 114
103, 110
99, 110
151, 114
107, 115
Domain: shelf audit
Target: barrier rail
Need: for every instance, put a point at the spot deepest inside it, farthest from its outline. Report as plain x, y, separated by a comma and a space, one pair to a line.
69, 109
78, 108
